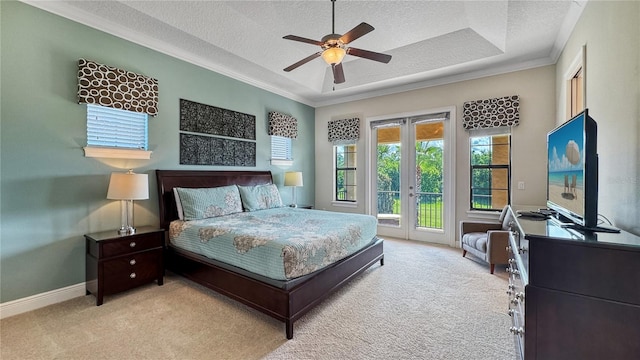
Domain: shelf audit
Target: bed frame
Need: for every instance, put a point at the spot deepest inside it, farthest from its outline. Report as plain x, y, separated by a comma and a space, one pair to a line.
286, 301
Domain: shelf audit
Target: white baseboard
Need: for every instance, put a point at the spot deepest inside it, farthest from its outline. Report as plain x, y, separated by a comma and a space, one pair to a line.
37, 301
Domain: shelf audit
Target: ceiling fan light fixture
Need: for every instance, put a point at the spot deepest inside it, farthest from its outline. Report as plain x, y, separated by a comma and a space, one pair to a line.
333, 55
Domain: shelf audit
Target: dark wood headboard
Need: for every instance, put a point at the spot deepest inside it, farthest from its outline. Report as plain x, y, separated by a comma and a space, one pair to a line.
168, 179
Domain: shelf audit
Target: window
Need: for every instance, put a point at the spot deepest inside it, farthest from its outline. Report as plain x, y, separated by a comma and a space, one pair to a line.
575, 85
345, 176
115, 133
281, 148
576, 104
490, 171
116, 128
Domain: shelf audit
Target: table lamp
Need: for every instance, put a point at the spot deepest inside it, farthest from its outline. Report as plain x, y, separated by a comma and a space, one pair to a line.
127, 187
293, 179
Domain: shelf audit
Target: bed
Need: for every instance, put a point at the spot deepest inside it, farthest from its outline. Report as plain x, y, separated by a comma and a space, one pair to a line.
285, 299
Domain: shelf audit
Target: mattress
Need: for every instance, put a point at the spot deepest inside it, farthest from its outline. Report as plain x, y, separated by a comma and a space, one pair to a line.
280, 243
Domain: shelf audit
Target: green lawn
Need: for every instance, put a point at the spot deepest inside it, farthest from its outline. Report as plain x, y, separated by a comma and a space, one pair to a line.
430, 214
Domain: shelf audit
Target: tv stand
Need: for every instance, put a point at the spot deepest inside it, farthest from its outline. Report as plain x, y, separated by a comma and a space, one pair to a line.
582, 291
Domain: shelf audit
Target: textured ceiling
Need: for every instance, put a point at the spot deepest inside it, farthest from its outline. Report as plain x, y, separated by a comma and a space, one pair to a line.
432, 42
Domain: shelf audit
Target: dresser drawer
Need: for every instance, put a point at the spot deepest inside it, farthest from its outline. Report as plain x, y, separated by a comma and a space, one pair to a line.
127, 272
130, 244
590, 269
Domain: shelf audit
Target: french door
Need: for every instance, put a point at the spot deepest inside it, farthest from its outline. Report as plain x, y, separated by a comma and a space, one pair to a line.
412, 175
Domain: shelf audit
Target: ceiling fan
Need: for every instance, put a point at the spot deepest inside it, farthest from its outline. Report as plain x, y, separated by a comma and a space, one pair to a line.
334, 48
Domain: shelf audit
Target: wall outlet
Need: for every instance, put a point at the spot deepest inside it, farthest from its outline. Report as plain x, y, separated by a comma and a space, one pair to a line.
520, 185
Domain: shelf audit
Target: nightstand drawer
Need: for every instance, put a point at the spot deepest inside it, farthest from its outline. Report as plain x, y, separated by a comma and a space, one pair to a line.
130, 244
130, 271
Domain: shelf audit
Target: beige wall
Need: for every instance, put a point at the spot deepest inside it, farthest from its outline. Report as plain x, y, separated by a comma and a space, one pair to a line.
611, 32
537, 116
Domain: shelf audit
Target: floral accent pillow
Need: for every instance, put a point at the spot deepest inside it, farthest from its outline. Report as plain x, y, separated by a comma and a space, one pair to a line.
260, 197
204, 203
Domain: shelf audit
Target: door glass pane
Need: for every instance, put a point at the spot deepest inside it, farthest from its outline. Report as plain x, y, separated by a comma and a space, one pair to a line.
429, 145
388, 178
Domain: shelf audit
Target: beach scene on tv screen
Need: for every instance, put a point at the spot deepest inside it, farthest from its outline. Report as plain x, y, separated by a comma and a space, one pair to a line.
566, 165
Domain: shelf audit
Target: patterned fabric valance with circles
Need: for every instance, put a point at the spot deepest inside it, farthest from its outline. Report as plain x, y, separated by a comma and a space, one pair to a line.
120, 89
283, 125
344, 131
482, 114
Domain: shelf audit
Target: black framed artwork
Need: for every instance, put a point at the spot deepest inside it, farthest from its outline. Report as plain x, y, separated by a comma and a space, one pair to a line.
210, 135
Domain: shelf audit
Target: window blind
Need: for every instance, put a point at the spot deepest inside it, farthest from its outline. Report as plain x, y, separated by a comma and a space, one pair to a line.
111, 127
281, 148
387, 123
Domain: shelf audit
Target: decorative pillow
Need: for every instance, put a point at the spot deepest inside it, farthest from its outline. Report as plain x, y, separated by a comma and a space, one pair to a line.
260, 197
209, 202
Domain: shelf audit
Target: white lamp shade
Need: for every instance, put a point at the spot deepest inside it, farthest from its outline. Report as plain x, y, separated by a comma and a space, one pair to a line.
128, 186
293, 178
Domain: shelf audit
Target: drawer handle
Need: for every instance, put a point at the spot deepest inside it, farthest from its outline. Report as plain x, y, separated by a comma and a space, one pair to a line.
511, 312
132, 244
132, 275
520, 295
515, 301
516, 330
132, 262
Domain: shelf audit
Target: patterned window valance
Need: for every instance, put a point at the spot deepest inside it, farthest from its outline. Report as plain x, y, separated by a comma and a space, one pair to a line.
481, 114
283, 125
344, 131
109, 86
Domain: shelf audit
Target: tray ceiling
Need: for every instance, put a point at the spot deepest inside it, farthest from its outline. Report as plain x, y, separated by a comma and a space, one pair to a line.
432, 42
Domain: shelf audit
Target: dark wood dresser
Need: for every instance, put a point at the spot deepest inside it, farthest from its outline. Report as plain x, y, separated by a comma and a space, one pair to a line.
117, 263
582, 292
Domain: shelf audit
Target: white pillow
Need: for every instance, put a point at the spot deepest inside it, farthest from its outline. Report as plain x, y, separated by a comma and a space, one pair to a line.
178, 203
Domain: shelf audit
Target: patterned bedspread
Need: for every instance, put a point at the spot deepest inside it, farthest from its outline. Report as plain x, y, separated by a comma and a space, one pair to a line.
279, 243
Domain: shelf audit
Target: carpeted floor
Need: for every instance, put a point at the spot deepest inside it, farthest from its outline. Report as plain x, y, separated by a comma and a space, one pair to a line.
426, 302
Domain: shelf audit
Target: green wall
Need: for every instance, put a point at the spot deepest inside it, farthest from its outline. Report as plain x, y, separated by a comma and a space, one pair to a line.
50, 193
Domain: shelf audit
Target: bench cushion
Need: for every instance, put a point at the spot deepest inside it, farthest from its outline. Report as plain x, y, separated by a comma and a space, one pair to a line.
476, 240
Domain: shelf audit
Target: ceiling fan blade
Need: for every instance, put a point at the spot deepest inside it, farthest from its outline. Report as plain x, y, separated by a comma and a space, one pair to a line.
384, 58
303, 61
356, 32
338, 73
304, 40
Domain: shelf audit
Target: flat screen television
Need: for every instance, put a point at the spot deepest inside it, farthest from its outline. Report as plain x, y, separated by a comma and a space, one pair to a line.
572, 176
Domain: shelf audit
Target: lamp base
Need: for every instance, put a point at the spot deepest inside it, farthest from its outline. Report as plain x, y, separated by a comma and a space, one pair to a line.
126, 230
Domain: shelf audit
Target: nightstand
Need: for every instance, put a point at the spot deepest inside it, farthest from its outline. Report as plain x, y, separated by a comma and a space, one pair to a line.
117, 263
